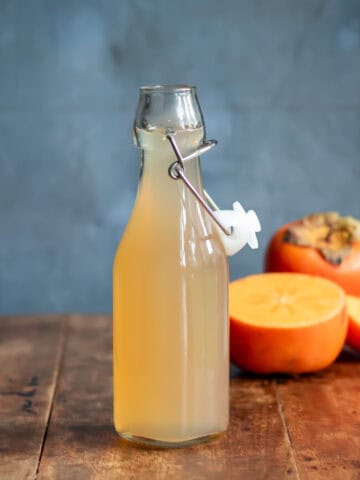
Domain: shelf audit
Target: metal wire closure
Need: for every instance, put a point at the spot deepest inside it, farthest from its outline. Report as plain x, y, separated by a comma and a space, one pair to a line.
176, 172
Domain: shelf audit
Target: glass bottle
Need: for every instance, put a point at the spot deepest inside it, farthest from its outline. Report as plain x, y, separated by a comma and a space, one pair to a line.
170, 280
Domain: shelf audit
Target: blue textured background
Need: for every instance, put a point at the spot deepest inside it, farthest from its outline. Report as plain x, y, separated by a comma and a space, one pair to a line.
279, 84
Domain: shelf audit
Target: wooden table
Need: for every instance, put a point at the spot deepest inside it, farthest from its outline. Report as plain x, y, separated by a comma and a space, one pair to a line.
56, 415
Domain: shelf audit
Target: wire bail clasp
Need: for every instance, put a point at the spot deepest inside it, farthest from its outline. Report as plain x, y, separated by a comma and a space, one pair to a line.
176, 172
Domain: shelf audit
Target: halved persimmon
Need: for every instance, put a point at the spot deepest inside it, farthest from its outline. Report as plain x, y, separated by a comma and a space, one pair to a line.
286, 322
353, 335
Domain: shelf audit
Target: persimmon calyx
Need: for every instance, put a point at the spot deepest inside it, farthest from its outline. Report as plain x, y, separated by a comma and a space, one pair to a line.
329, 233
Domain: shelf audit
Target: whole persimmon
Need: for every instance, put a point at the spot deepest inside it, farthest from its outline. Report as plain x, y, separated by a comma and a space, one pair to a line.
322, 244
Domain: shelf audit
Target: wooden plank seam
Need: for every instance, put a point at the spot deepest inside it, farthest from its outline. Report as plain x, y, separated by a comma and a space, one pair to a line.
60, 362
286, 427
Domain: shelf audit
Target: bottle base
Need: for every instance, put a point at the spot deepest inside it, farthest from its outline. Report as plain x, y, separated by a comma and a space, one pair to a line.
151, 442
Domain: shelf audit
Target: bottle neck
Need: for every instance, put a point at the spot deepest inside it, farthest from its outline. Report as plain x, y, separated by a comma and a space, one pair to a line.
157, 156
164, 204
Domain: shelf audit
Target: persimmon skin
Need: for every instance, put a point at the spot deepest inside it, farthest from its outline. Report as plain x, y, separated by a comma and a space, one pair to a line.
286, 257
293, 350
353, 333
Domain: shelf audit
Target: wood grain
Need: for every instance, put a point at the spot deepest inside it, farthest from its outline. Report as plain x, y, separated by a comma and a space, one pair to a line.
30, 354
322, 413
306, 428
81, 442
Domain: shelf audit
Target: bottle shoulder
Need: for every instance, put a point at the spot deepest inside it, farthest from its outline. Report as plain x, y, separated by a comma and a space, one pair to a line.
168, 219
187, 241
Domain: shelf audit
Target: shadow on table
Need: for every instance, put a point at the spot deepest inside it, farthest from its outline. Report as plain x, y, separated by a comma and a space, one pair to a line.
347, 356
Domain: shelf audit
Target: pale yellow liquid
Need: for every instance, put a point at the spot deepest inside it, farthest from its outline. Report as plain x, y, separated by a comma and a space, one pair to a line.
171, 359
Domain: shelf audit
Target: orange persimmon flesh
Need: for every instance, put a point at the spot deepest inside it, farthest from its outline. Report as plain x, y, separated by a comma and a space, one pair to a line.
286, 322
353, 335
